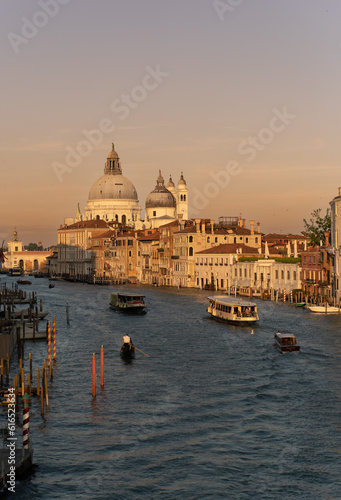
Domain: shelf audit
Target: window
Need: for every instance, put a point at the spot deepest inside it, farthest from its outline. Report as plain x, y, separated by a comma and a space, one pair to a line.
288, 275
190, 251
216, 240
208, 239
234, 240
276, 274
256, 240
294, 275
246, 240
282, 275
154, 213
190, 239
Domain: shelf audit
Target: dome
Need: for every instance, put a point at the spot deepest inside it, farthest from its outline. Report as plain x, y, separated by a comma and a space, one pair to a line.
182, 182
112, 187
170, 184
160, 196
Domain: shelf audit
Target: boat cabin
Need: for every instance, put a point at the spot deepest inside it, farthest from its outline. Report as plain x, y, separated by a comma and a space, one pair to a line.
127, 302
286, 342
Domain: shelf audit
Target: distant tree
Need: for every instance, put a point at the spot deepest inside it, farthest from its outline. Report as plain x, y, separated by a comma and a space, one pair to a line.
32, 247
317, 225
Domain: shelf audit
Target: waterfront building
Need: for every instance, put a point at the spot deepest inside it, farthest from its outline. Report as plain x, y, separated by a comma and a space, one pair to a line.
148, 244
76, 257
317, 270
335, 250
166, 253
17, 256
199, 234
215, 267
230, 266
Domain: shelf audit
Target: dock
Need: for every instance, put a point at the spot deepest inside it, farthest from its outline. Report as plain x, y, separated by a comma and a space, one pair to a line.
23, 463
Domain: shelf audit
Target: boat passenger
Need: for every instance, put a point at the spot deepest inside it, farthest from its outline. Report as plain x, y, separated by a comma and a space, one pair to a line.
126, 339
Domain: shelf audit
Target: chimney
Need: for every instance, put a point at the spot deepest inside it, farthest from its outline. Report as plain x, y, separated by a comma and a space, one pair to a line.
252, 226
244, 220
326, 237
197, 225
212, 226
258, 227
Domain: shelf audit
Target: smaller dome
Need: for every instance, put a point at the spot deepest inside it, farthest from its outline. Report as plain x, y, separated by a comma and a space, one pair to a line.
160, 196
170, 183
182, 182
113, 154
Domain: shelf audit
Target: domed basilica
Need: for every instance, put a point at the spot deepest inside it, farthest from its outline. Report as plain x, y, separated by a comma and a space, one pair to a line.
113, 197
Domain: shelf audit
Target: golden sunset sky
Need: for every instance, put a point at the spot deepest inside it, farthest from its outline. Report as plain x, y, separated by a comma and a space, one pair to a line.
240, 96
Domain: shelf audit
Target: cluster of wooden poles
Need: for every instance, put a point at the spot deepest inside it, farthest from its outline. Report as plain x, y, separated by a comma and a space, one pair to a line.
22, 380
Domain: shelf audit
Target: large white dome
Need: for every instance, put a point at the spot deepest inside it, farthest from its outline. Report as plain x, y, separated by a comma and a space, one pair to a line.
112, 187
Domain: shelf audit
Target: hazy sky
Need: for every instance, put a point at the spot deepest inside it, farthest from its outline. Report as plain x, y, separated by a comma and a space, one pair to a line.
240, 95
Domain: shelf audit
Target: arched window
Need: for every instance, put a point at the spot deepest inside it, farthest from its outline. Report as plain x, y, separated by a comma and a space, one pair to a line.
21, 264
116, 218
190, 251
184, 197
97, 217
190, 239
124, 219
208, 239
35, 265
234, 240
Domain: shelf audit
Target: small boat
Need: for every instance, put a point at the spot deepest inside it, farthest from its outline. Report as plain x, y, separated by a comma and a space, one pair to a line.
232, 309
326, 309
128, 303
51, 285
128, 351
286, 342
300, 304
24, 282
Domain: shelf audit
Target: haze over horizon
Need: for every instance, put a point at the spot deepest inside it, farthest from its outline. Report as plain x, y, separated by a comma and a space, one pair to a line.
238, 95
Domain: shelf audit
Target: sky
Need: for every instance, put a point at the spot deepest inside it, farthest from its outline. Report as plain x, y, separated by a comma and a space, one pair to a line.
242, 96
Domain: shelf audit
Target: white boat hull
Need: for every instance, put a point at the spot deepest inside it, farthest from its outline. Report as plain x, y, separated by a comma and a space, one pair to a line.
323, 309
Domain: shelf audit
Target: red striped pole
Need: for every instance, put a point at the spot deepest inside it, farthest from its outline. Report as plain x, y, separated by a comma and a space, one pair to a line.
49, 341
93, 375
54, 340
26, 419
284, 295
102, 367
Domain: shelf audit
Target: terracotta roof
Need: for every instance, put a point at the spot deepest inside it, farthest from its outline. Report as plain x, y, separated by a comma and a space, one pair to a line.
174, 223
107, 234
149, 237
230, 248
87, 224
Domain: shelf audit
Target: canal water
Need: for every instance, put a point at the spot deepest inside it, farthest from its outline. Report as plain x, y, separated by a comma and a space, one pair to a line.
214, 412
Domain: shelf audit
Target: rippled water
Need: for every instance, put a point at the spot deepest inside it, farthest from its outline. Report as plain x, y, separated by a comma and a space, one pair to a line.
215, 412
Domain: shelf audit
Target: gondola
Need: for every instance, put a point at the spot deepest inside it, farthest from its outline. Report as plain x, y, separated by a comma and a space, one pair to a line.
127, 351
